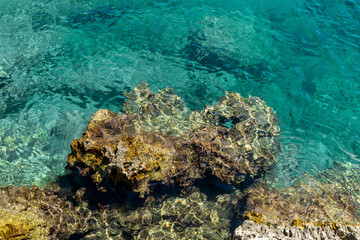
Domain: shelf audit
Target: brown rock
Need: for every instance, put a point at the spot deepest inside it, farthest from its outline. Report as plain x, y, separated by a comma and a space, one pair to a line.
157, 139
32, 213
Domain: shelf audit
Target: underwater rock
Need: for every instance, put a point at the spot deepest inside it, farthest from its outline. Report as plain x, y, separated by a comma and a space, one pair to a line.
190, 216
248, 142
15, 224
105, 14
219, 45
320, 206
157, 139
314, 207
300, 205
59, 213
317, 207
215, 58
32, 213
164, 111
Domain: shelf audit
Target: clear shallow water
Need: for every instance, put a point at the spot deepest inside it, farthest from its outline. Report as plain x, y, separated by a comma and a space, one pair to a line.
63, 60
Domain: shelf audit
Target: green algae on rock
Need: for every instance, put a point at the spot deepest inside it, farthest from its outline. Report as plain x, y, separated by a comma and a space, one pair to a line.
156, 138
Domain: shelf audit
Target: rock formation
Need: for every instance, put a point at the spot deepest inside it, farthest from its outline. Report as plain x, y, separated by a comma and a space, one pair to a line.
157, 139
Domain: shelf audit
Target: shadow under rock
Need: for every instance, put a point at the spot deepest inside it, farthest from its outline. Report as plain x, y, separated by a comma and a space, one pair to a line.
76, 189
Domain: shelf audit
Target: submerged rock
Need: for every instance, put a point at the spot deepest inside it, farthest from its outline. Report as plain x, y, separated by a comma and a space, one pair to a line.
317, 207
328, 197
59, 213
157, 139
300, 205
32, 213
108, 14
190, 216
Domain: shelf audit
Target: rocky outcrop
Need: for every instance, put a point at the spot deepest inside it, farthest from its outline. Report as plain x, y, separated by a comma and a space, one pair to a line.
157, 139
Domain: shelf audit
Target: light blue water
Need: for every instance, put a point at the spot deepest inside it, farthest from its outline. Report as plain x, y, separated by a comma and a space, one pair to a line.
63, 60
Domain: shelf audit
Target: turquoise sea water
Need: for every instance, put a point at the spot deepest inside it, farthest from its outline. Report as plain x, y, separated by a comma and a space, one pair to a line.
63, 60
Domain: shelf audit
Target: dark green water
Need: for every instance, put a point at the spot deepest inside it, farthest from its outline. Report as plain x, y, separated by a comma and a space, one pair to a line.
63, 60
